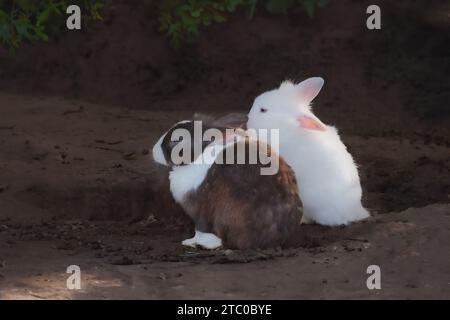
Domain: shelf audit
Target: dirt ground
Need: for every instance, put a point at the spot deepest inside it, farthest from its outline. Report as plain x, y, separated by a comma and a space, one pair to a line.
78, 185
76, 179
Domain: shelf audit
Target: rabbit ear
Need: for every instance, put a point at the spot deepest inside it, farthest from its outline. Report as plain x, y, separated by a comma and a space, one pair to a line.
227, 136
308, 89
311, 123
232, 120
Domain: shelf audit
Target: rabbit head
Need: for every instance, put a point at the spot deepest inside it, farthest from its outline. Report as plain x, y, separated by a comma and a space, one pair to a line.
288, 107
184, 142
179, 145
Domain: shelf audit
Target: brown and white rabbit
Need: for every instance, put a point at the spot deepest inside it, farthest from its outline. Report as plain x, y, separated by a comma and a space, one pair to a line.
232, 205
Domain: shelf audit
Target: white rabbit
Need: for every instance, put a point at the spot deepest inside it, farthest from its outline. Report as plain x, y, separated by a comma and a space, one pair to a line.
327, 176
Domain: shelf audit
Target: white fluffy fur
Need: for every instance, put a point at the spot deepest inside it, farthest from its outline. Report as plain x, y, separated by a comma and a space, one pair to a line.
327, 176
157, 152
184, 179
189, 177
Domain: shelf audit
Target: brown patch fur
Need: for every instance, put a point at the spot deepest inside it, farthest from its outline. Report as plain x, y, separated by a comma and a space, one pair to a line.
244, 208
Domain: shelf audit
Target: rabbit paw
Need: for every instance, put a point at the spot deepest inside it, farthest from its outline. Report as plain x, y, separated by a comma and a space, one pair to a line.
205, 240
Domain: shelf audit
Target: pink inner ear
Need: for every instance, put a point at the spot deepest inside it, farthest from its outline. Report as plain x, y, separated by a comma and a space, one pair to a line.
308, 89
310, 123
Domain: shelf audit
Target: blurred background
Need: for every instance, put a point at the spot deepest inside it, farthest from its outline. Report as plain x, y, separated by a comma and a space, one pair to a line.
217, 55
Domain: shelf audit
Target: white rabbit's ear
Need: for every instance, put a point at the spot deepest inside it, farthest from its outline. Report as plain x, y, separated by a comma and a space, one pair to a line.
311, 123
308, 89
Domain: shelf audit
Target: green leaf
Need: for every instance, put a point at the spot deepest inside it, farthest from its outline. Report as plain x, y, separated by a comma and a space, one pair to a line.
5, 33
252, 8
25, 5
196, 13
322, 3
23, 27
41, 34
310, 6
279, 6
219, 18
43, 16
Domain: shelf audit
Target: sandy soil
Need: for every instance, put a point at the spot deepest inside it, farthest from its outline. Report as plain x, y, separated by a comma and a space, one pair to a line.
77, 179
404, 245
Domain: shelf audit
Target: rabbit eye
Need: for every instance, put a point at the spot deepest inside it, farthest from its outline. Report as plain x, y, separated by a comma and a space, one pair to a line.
263, 110
172, 144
